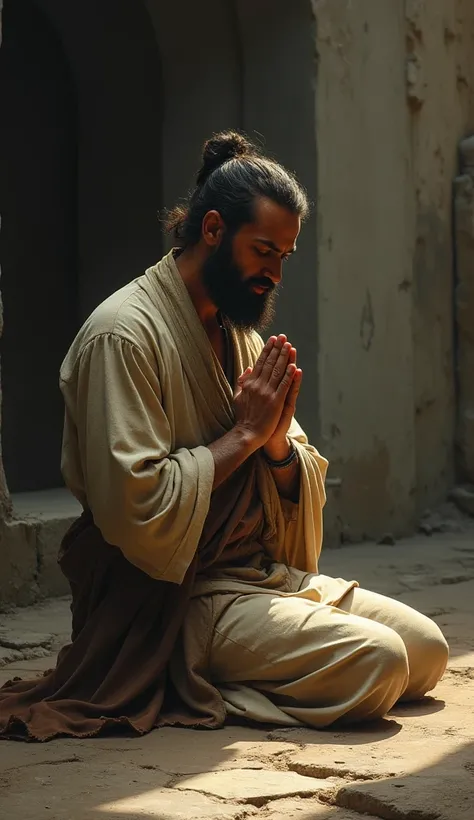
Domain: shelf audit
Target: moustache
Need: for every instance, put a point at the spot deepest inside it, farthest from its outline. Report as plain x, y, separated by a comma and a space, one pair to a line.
261, 282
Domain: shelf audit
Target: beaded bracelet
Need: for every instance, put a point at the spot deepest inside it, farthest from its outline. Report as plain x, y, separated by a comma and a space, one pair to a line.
280, 465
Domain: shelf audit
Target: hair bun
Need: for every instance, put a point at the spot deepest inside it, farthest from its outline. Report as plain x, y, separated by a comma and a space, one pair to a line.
220, 148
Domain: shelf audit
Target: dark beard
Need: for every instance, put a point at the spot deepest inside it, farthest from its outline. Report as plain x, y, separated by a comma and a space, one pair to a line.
232, 295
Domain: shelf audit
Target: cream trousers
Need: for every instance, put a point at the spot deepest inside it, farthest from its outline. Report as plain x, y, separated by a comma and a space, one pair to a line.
291, 660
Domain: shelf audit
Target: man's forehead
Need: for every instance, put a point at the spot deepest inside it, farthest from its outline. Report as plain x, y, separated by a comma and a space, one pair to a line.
275, 223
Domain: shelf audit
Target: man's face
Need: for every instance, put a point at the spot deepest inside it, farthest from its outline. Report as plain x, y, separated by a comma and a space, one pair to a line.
242, 275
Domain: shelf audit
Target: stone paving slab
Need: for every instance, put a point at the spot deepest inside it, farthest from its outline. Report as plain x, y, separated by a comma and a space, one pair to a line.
256, 787
306, 809
187, 752
436, 795
171, 805
370, 761
70, 787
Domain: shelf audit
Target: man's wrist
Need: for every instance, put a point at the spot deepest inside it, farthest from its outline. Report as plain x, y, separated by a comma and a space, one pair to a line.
244, 439
278, 450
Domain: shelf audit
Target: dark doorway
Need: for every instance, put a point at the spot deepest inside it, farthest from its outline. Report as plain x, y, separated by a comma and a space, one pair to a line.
38, 203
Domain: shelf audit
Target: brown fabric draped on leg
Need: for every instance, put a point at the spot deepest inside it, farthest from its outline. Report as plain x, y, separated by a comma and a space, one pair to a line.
114, 675
128, 667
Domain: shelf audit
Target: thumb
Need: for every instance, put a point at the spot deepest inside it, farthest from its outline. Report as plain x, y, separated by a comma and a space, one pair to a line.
244, 375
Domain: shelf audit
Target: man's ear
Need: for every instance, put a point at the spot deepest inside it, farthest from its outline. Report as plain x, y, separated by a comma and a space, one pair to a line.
213, 229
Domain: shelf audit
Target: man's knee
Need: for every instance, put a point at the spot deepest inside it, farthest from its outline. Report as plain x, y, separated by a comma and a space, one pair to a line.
385, 675
390, 658
435, 647
428, 654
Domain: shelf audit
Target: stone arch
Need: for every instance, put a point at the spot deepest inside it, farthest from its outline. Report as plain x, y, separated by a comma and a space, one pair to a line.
116, 65
108, 73
39, 252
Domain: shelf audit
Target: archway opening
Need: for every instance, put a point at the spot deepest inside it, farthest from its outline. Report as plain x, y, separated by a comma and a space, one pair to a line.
80, 180
38, 202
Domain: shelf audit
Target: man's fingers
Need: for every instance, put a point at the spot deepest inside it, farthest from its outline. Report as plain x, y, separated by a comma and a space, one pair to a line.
292, 395
264, 355
289, 406
278, 366
273, 356
287, 380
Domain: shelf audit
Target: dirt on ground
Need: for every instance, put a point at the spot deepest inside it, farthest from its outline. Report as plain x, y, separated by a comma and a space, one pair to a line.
417, 764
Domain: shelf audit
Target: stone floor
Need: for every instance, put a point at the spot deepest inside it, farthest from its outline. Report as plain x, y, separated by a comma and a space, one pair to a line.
418, 764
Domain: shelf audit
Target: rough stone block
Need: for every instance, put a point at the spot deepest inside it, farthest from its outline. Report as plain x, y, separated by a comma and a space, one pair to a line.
18, 564
464, 498
434, 795
51, 581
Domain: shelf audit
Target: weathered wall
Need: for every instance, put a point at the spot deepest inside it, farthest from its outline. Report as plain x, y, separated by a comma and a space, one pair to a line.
365, 218
395, 96
440, 45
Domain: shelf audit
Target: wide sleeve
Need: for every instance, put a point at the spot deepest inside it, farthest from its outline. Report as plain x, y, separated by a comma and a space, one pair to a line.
148, 501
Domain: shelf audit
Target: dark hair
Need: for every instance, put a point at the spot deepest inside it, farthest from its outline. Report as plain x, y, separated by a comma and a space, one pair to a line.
233, 174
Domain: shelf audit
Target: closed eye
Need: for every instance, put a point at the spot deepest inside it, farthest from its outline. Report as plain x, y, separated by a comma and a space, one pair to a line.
261, 252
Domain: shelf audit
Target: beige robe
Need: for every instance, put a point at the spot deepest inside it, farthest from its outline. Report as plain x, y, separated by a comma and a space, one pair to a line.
189, 605
144, 395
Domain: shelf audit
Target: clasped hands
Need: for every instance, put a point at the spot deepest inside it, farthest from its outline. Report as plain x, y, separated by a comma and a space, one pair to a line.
266, 397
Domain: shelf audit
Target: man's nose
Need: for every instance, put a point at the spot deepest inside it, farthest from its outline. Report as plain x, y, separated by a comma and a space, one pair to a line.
275, 271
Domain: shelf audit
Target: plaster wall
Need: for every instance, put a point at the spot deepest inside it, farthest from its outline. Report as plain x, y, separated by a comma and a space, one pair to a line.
365, 224
440, 96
